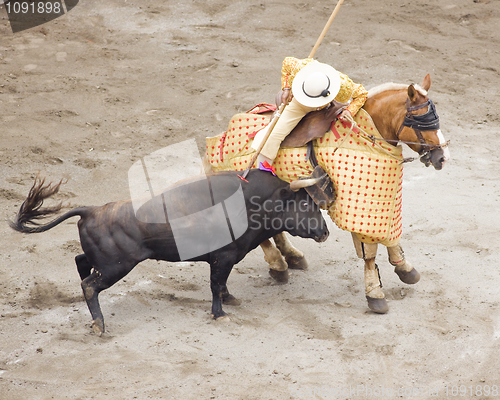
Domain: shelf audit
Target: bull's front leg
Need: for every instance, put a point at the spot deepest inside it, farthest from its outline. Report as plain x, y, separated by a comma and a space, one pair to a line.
219, 272
403, 268
373, 286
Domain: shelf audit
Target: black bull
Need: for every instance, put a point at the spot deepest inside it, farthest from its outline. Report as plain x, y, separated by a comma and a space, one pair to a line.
115, 238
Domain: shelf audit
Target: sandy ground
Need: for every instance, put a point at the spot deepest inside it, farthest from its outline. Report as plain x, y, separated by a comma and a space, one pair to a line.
86, 95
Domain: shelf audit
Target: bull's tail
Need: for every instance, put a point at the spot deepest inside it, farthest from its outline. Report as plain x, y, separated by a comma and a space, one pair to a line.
26, 220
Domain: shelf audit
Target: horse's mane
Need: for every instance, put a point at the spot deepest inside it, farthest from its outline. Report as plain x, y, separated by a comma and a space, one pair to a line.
393, 86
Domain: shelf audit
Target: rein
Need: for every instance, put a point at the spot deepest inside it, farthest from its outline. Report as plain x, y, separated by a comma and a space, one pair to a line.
424, 122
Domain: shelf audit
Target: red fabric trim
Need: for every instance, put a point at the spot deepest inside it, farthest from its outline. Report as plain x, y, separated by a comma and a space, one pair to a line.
262, 108
349, 125
221, 146
334, 130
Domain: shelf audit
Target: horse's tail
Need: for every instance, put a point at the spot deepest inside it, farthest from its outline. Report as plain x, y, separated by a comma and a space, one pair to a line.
31, 210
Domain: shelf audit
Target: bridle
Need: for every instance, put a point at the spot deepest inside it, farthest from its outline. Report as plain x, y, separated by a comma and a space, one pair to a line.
425, 122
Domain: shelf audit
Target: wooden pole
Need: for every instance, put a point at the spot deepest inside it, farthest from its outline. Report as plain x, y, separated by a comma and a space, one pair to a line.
264, 140
282, 106
325, 29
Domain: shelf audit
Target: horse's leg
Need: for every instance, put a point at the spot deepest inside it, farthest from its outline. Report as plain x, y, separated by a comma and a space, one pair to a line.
293, 256
373, 286
278, 268
403, 268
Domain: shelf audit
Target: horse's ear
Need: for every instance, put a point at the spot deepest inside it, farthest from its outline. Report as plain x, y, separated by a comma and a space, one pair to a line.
412, 93
426, 83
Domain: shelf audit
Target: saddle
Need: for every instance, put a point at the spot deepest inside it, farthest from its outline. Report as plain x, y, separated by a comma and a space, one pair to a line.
314, 125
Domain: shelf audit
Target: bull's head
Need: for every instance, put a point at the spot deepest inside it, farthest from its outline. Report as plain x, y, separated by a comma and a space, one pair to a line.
309, 221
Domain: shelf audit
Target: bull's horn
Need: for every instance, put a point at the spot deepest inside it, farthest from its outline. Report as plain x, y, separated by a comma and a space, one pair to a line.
303, 183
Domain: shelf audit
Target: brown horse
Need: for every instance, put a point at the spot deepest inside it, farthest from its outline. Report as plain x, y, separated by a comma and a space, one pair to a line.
401, 114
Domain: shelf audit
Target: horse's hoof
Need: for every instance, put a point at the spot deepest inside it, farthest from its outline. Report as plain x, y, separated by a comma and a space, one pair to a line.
297, 263
410, 277
231, 300
279, 276
378, 306
98, 327
278, 264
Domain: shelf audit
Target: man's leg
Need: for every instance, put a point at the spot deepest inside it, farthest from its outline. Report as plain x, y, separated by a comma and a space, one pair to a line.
291, 116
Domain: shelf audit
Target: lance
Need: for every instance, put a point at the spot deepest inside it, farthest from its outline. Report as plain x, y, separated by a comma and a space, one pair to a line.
282, 106
325, 29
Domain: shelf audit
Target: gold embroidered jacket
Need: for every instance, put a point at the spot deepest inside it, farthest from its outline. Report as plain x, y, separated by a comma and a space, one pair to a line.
348, 89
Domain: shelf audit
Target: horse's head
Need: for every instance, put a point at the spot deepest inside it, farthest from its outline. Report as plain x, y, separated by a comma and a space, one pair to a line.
420, 127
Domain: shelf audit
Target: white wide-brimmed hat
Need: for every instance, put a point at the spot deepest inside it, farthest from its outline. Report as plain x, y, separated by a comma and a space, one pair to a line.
316, 85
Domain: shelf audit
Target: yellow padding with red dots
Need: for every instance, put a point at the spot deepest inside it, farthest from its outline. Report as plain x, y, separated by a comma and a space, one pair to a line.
367, 175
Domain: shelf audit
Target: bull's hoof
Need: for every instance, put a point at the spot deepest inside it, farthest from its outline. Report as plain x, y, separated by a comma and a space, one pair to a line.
378, 306
98, 327
410, 277
279, 276
297, 263
231, 300
221, 317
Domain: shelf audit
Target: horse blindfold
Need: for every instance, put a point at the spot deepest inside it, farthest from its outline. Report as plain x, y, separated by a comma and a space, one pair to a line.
425, 122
